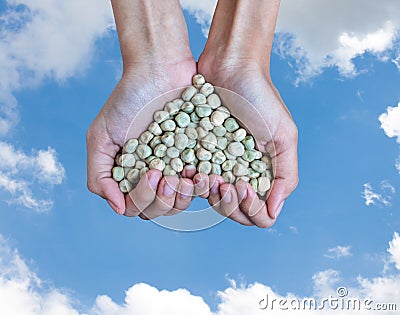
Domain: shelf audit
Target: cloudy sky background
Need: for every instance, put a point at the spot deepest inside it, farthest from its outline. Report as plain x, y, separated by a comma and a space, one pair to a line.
62, 251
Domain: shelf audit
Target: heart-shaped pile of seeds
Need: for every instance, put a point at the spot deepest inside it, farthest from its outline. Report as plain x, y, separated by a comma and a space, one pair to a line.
194, 130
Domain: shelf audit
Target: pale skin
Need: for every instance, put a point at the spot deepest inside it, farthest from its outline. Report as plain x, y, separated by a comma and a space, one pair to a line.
236, 57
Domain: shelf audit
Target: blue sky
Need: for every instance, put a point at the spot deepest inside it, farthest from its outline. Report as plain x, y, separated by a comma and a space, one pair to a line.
335, 227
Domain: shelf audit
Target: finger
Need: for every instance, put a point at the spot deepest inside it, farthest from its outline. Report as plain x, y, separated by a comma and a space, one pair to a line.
100, 160
144, 193
183, 196
286, 178
230, 205
164, 200
214, 198
254, 208
189, 171
201, 185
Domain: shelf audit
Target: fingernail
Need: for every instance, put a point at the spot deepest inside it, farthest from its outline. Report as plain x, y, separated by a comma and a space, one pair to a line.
168, 190
153, 181
214, 188
227, 196
279, 209
114, 206
242, 191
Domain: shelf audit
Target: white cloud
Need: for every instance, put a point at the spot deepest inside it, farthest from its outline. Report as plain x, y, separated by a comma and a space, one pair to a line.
202, 11
23, 293
39, 40
19, 172
339, 252
379, 199
42, 39
319, 34
390, 122
398, 164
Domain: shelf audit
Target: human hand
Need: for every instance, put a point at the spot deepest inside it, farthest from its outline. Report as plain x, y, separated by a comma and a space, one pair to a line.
240, 202
152, 196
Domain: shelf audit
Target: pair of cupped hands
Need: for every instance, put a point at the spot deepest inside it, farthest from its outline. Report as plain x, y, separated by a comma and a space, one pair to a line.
156, 195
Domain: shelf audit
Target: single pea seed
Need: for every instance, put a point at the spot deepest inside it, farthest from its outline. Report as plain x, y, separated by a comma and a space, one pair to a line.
188, 155
222, 143
236, 149
168, 139
168, 125
263, 184
258, 154
219, 131
187, 107
146, 137
172, 108
209, 142
218, 157
130, 146
172, 152
248, 142
203, 110
176, 164
216, 169
204, 167
228, 165
258, 166
160, 116
117, 160
217, 118
143, 151
191, 144
125, 186
127, 160
133, 176
191, 133
198, 81
182, 120
188, 94
181, 141
157, 164
228, 177
214, 101
249, 155
225, 111
254, 184
240, 170
199, 99
231, 124
239, 134
160, 150
118, 173
203, 154
206, 124
207, 89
